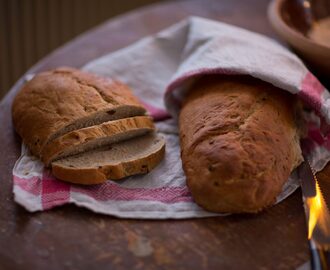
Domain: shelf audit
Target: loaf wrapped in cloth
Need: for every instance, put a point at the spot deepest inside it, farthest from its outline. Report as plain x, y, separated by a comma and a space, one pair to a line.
160, 69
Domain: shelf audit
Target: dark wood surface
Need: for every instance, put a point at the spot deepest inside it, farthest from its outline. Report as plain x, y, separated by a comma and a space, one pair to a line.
73, 238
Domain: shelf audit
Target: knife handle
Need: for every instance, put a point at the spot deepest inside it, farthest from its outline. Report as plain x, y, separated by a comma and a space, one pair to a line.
320, 259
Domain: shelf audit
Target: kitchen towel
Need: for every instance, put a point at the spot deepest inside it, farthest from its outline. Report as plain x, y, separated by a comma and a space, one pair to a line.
160, 69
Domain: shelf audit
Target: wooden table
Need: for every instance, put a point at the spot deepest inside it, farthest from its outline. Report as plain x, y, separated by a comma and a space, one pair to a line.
72, 238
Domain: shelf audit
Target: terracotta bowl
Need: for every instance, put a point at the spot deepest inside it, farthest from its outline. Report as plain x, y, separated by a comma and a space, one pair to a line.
293, 19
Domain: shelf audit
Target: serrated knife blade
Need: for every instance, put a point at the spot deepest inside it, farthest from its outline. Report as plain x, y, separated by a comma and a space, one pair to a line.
317, 217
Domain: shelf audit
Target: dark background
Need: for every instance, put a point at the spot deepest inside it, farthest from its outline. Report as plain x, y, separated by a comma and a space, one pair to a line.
30, 29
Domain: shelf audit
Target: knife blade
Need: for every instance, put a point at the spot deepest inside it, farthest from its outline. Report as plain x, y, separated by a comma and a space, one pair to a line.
315, 207
317, 217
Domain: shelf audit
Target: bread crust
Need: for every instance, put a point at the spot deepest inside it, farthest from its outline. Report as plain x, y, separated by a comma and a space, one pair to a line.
239, 143
80, 137
55, 99
99, 174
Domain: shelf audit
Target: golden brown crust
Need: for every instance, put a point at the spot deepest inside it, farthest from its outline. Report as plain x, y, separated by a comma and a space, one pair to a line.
98, 175
239, 143
79, 137
55, 99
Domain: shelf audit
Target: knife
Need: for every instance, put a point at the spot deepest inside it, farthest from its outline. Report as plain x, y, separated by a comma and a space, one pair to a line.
317, 217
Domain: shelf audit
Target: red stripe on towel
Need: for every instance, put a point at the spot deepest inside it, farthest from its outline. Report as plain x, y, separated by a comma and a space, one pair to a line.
311, 91
113, 191
54, 192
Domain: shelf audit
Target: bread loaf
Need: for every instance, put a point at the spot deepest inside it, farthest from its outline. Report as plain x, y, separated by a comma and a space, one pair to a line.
65, 99
239, 142
86, 128
85, 139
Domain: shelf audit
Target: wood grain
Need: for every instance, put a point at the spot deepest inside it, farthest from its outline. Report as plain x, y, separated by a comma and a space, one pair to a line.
73, 238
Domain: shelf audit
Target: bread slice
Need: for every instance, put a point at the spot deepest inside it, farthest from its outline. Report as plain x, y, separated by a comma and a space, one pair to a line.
131, 157
65, 99
85, 139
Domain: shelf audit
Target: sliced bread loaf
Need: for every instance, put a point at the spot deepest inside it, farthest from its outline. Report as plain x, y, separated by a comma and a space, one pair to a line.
65, 99
84, 139
131, 157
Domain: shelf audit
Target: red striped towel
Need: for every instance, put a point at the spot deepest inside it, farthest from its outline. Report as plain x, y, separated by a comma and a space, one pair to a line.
160, 69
